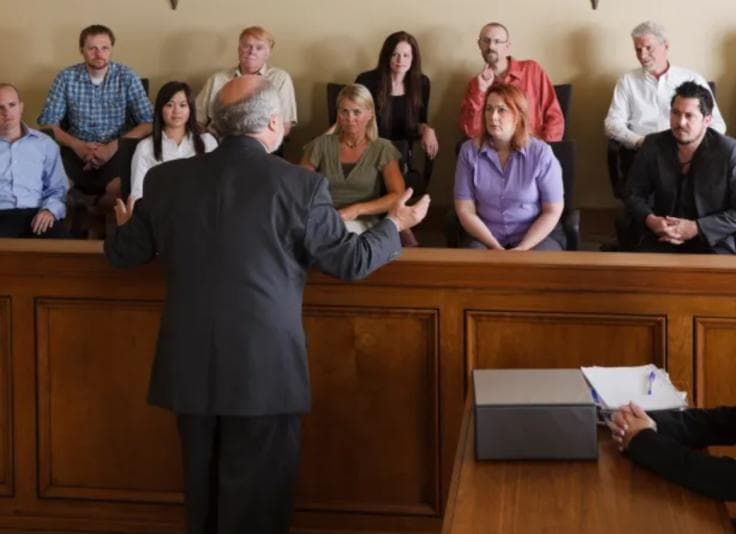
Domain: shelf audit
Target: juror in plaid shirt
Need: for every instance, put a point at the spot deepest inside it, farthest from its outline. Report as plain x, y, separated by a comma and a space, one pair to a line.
97, 113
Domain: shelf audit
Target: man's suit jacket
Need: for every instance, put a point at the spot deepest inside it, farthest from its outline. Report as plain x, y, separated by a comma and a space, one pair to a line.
672, 452
236, 231
652, 184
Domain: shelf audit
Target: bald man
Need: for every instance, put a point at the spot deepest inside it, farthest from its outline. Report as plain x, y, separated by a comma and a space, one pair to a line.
33, 183
236, 230
545, 119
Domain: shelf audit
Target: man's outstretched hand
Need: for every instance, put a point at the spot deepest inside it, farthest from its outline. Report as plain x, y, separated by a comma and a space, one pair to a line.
405, 216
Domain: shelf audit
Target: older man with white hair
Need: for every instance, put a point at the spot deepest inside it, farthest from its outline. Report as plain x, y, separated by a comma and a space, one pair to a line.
642, 97
236, 230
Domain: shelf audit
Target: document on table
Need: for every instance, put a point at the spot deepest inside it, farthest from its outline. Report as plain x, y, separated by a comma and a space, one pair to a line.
646, 385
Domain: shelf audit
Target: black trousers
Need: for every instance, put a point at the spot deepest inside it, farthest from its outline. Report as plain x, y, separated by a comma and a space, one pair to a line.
17, 223
91, 182
239, 472
648, 242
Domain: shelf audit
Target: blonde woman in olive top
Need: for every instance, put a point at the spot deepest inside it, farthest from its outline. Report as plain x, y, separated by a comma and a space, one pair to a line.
362, 169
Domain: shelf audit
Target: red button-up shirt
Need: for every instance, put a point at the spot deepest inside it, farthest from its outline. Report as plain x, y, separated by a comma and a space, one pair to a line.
545, 116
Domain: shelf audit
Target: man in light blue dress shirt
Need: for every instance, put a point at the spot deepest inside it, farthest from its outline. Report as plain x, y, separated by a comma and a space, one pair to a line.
33, 183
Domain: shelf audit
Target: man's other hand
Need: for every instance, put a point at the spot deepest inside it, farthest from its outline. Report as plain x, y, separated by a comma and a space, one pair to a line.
123, 211
43, 220
104, 153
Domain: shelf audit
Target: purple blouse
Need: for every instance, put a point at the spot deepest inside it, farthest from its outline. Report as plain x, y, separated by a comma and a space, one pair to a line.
508, 200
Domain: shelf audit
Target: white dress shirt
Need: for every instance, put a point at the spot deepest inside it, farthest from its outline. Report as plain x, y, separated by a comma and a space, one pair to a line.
641, 104
143, 159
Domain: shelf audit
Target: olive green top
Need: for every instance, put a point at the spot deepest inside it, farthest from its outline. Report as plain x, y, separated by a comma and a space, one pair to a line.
364, 182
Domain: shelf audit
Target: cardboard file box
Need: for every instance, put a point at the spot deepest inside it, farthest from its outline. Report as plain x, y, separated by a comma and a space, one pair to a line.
533, 414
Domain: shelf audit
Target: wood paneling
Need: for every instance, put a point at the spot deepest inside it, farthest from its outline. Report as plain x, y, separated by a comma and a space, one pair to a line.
549, 340
389, 357
715, 361
6, 401
98, 439
374, 420
715, 367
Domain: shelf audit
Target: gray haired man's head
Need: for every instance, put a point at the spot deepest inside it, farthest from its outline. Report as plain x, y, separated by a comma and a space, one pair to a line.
245, 106
649, 27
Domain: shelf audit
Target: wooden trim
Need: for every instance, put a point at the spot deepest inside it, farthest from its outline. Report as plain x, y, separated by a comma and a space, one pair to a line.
6, 401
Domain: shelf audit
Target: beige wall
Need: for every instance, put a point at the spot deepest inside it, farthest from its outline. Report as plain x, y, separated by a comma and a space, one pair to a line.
326, 40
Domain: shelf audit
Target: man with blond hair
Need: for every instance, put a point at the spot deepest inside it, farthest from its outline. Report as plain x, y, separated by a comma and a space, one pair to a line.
254, 48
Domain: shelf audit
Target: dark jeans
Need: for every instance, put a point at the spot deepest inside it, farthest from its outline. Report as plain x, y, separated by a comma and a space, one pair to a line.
17, 223
92, 182
239, 472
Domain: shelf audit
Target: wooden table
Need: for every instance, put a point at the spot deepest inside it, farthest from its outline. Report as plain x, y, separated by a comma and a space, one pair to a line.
612, 495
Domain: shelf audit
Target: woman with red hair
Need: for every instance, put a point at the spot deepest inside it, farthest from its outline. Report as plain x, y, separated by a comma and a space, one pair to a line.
508, 185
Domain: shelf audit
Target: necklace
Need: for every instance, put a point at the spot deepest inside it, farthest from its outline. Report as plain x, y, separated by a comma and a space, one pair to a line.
353, 144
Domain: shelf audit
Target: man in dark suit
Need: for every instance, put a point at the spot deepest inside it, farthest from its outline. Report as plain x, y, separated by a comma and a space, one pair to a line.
236, 231
668, 442
681, 189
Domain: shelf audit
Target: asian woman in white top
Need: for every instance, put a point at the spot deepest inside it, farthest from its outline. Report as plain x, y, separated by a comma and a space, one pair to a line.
175, 134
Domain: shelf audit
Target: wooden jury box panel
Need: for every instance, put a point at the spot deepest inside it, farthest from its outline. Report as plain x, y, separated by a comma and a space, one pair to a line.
6, 443
715, 366
98, 438
553, 340
371, 437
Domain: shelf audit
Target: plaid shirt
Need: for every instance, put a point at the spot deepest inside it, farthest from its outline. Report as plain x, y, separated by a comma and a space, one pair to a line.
97, 112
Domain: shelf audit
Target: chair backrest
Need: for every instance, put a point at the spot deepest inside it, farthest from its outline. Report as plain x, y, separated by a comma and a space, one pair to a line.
333, 89
564, 96
564, 151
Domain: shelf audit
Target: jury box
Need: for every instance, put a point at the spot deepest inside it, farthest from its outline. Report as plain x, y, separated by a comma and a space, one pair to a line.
533, 414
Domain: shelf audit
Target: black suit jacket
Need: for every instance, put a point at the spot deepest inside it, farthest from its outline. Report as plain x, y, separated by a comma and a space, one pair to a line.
236, 231
672, 452
652, 184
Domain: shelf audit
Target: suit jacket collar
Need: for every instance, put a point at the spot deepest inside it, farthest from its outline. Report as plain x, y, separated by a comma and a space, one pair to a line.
242, 141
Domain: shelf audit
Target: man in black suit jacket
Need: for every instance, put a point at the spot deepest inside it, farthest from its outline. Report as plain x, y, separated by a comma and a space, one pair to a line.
236, 231
668, 442
681, 189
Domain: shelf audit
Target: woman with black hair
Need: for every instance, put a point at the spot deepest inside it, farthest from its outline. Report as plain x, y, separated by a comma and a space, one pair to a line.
401, 92
175, 134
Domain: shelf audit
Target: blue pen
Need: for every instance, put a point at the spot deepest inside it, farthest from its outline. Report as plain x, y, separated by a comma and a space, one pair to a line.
650, 380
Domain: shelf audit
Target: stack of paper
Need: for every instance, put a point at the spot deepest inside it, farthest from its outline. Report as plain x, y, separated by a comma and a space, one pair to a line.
646, 385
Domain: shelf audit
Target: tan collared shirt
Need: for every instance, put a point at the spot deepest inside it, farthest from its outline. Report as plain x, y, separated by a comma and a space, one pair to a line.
279, 78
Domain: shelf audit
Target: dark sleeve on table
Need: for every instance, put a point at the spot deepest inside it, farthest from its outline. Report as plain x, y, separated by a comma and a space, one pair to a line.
698, 471
698, 428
